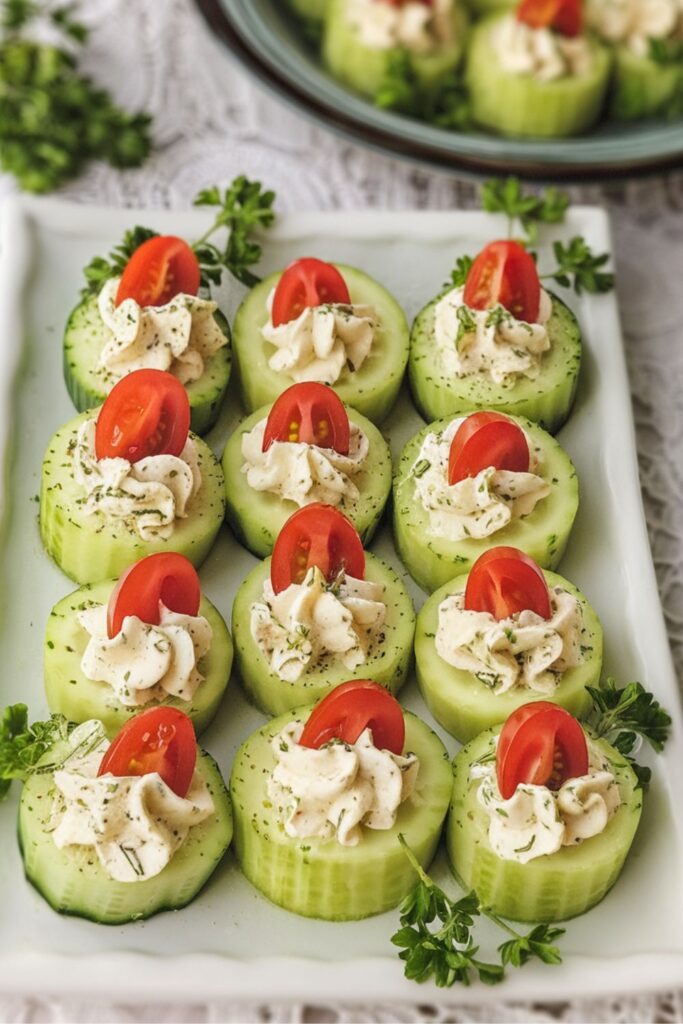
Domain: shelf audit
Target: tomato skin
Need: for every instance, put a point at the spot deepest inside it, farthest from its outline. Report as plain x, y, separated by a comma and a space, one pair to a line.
487, 439
540, 744
312, 413
505, 580
565, 16
159, 269
349, 709
161, 740
166, 576
504, 273
307, 283
146, 413
319, 535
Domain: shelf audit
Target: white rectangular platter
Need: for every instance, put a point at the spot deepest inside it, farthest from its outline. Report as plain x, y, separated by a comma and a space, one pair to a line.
231, 943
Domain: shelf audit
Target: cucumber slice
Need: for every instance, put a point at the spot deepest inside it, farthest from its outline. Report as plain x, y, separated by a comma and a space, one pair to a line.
73, 881
88, 548
388, 665
641, 87
364, 68
320, 878
257, 517
371, 390
550, 888
523, 106
79, 699
543, 534
547, 400
84, 339
464, 705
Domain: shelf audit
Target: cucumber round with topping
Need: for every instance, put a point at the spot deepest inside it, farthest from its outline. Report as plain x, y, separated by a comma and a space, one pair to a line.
553, 887
640, 86
320, 877
388, 662
464, 705
90, 548
432, 560
371, 390
70, 693
257, 517
546, 400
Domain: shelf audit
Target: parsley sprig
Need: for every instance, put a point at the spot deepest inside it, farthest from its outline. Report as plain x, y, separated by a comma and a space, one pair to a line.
579, 268
505, 195
23, 745
447, 106
101, 269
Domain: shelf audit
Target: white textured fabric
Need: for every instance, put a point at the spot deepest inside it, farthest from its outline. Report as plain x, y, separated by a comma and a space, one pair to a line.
211, 123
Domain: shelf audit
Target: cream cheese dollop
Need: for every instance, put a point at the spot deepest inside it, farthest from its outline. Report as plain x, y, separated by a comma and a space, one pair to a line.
417, 26
148, 496
338, 790
310, 621
539, 52
146, 662
634, 23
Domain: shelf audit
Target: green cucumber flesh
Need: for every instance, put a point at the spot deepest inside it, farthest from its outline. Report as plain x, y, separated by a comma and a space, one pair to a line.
371, 390
321, 878
543, 534
257, 517
550, 888
388, 664
465, 706
479, 8
640, 86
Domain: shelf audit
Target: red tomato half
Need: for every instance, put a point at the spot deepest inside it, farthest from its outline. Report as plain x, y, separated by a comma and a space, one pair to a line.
563, 15
158, 270
351, 708
304, 284
309, 412
503, 581
146, 413
487, 439
320, 535
541, 744
504, 273
167, 577
158, 740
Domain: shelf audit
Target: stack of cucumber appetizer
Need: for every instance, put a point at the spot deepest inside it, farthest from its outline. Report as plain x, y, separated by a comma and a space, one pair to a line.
339, 800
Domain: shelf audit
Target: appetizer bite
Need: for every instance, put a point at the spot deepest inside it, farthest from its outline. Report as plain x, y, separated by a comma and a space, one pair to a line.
322, 794
151, 637
305, 448
486, 479
128, 480
320, 611
323, 322
118, 832
509, 632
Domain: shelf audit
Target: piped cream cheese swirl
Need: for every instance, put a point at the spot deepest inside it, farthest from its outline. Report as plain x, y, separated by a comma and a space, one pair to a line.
635, 22
539, 53
415, 25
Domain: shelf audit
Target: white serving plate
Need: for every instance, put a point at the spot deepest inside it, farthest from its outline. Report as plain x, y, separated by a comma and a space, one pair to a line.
232, 943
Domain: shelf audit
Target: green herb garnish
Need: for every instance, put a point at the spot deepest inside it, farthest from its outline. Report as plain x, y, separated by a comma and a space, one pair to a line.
447, 106
23, 745
580, 269
463, 265
506, 196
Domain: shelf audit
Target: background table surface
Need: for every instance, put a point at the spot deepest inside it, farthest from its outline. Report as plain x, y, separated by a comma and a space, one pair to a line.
211, 123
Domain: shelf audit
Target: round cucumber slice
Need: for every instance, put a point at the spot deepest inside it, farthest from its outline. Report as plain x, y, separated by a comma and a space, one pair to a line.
73, 881
388, 664
550, 888
364, 68
464, 705
88, 548
640, 86
85, 337
522, 105
70, 693
257, 517
321, 878
543, 534
547, 400
371, 390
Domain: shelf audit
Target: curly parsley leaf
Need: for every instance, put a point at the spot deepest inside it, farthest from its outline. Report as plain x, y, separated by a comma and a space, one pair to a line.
505, 195
463, 265
23, 745
447, 106
101, 269
666, 51
540, 943
244, 208
579, 268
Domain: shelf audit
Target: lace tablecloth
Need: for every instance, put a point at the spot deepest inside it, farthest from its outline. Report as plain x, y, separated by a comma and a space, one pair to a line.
211, 123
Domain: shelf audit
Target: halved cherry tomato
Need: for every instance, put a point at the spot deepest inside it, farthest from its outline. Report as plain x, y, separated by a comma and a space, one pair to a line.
504, 273
564, 16
158, 740
541, 744
166, 576
319, 535
352, 707
305, 283
158, 270
146, 413
503, 581
309, 412
487, 439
